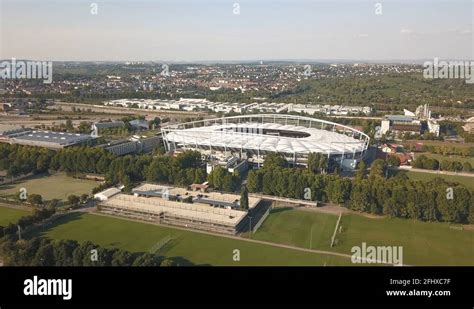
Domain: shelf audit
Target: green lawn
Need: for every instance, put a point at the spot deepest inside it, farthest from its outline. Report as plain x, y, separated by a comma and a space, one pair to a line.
424, 243
58, 186
196, 247
10, 215
291, 227
464, 180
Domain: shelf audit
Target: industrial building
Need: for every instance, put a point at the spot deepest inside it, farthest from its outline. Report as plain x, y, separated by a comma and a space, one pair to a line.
136, 144
47, 139
400, 124
252, 136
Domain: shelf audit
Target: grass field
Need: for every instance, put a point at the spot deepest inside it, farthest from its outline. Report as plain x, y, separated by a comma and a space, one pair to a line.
464, 180
292, 227
195, 247
58, 186
10, 215
424, 243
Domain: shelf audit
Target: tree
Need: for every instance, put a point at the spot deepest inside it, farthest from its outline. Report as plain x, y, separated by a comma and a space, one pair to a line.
471, 210
63, 252
466, 167
35, 199
69, 126
254, 181
273, 161
393, 161
122, 258
148, 260
378, 168
244, 198
361, 169
217, 176
54, 202
73, 200
44, 255
313, 162
84, 197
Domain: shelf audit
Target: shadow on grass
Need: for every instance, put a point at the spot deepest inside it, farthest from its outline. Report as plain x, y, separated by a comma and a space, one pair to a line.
280, 209
398, 173
42, 231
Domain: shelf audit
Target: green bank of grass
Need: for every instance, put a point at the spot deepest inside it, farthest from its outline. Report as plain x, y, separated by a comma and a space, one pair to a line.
58, 186
468, 182
196, 247
298, 228
10, 215
424, 243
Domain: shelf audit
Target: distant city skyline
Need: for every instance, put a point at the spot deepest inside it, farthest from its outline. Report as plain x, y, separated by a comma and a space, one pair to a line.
209, 31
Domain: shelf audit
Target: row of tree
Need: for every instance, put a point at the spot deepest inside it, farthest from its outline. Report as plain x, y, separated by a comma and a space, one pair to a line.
443, 149
221, 179
398, 196
424, 162
37, 216
45, 252
184, 169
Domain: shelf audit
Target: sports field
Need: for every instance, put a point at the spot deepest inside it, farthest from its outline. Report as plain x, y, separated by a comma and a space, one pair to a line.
424, 243
10, 215
298, 228
58, 186
196, 247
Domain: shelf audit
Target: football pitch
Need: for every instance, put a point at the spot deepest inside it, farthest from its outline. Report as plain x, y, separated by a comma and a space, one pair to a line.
198, 248
58, 186
424, 243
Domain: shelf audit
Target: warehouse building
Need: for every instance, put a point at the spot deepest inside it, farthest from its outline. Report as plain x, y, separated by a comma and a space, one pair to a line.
47, 139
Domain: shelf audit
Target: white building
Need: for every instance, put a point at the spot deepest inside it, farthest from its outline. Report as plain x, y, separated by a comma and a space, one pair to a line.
106, 194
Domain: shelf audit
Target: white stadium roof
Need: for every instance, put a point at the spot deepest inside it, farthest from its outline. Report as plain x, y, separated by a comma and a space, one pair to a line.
258, 135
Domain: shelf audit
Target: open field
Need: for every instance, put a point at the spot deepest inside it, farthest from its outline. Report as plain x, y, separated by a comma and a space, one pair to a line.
10, 215
294, 227
195, 247
466, 181
58, 186
424, 243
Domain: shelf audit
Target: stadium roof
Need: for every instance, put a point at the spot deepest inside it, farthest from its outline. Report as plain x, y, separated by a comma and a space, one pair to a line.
266, 136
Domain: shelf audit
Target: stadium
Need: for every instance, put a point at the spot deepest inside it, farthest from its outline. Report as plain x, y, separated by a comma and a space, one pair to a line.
252, 136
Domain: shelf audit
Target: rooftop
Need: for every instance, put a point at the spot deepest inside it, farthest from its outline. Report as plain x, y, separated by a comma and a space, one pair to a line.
59, 138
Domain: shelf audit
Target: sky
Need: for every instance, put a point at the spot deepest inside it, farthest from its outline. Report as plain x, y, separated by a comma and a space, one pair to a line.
206, 30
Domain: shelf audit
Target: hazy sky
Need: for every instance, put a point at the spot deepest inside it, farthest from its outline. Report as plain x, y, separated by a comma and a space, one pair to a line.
186, 30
